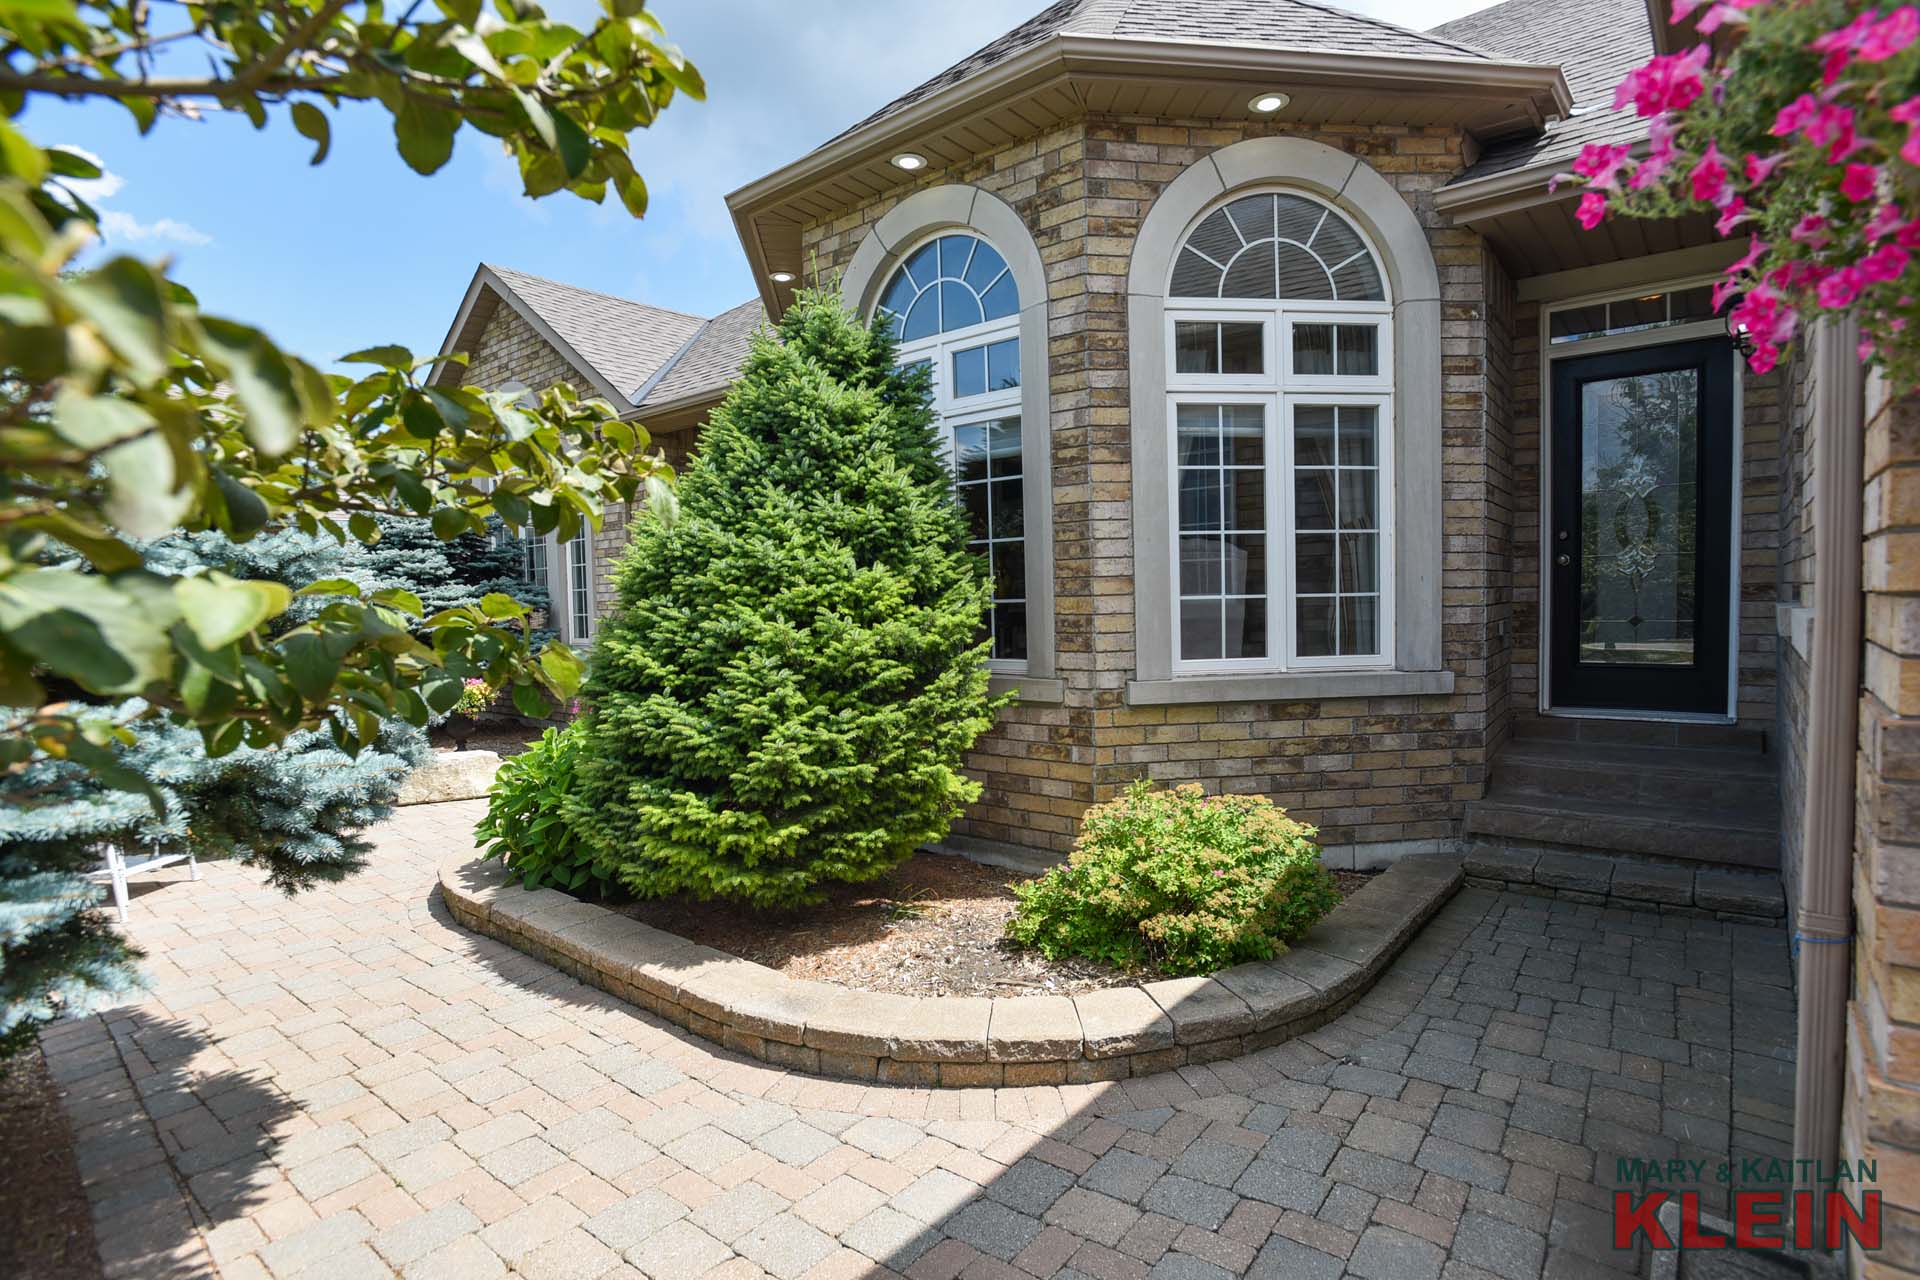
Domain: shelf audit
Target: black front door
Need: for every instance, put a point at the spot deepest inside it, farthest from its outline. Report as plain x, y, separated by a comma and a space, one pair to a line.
1639, 529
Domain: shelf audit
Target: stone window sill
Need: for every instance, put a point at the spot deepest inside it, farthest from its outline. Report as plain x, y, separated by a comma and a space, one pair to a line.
1038, 689
1286, 687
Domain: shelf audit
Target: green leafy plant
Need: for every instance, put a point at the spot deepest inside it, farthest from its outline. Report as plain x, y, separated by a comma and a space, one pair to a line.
526, 825
783, 694
1187, 882
127, 412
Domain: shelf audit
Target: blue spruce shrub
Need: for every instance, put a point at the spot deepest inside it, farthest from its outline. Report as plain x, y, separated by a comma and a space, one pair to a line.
783, 694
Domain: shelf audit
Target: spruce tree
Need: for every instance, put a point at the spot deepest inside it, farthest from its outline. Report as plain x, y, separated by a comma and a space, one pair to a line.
783, 695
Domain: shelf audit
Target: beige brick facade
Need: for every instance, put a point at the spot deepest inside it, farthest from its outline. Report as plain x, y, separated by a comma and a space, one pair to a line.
1367, 770
1883, 1102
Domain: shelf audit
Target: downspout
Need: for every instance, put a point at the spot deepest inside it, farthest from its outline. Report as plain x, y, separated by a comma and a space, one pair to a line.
1823, 922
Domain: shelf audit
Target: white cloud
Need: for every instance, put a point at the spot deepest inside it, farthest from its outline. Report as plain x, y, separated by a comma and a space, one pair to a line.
115, 225
93, 190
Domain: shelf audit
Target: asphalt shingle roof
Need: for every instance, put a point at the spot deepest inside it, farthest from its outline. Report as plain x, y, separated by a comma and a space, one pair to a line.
626, 342
1279, 24
1595, 43
712, 360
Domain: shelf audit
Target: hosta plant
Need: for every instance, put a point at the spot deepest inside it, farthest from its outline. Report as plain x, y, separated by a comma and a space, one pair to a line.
524, 825
1180, 880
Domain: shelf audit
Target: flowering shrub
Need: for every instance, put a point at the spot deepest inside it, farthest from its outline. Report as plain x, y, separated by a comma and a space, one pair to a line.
1184, 880
1806, 139
475, 696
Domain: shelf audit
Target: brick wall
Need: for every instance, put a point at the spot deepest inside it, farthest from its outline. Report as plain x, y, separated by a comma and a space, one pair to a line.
511, 350
1366, 770
1883, 1104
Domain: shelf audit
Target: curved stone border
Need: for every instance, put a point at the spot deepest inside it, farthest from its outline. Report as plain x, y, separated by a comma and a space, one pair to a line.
960, 1041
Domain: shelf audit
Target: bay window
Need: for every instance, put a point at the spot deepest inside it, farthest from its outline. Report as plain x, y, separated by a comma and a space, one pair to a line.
1280, 408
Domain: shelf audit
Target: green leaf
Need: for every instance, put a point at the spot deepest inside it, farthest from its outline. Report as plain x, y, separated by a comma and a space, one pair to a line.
124, 300
331, 587
312, 123
400, 598
412, 491
449, 523
529, 702
103, 551
20, 157
425, 135
109, 634
93, 422
220, 610
311, 665
364, 527
499, 605
572, 144
262, 380
391, 356
246, 513
562, 668
144, 497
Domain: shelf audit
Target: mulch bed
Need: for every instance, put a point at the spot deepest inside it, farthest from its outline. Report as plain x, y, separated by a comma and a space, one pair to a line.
934, 926
504, 738
46, 1225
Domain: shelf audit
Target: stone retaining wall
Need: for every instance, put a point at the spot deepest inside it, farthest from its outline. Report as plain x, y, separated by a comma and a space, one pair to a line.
956, 1041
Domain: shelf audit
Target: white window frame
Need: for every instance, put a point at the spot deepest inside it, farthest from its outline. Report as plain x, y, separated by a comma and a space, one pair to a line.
1282, 391
582, 545
954, 412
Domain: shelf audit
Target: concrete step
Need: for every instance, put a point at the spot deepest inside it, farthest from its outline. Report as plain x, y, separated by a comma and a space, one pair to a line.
1691, 778
1716, 835
1640, 733
1752, 896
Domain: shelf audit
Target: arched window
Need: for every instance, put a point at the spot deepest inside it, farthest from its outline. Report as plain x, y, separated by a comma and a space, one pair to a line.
1279, 396
956, 309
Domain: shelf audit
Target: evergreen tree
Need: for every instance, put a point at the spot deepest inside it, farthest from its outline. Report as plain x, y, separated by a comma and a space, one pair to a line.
445, 575
294, 810
795, 668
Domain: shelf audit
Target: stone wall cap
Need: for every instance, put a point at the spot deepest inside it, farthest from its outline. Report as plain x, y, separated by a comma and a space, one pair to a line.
817, 1026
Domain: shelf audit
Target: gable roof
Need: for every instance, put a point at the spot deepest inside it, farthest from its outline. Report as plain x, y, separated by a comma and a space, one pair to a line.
711, 359
1274, 24
1595, 43
617, 344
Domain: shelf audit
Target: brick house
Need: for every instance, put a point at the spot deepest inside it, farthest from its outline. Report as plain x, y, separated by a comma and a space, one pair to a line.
1319, 453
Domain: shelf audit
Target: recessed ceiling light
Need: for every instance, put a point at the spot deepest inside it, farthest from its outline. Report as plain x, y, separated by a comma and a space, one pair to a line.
1268, 103
910, 161
781, 277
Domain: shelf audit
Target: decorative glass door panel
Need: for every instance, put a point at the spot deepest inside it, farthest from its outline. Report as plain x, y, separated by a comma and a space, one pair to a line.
1639, 550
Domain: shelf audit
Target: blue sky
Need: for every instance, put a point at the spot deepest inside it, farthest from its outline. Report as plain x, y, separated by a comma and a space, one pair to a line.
362, 250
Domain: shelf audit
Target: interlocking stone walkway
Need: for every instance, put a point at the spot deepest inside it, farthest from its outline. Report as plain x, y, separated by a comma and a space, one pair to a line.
346, 1084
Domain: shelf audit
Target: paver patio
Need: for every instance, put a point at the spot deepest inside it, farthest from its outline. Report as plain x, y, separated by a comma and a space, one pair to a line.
347, 1084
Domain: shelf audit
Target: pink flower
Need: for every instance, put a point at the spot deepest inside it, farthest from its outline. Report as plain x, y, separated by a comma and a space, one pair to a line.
1592, 211
1600, 164
1885, 221
1840, 288
1659, 155
1793, 117
1810, 230
1864, 350
1709, 176
1756, 250
1759, 169
1888, 262
1765, 356
1890, 35
1732, 216
1669, 82
1859, 182
1908, 113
